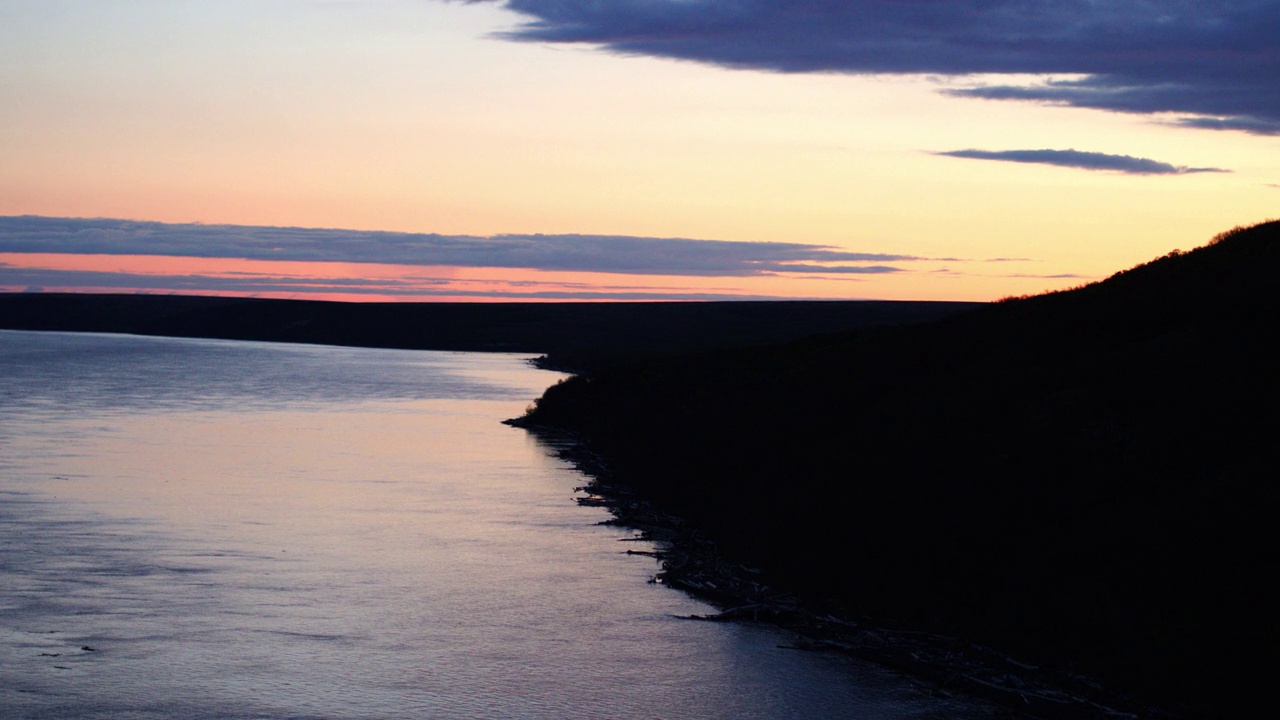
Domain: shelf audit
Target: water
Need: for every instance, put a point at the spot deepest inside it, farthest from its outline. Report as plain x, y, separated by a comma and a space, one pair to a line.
209, 529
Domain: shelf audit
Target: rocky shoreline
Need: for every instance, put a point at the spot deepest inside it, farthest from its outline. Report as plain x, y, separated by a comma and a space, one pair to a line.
948, 666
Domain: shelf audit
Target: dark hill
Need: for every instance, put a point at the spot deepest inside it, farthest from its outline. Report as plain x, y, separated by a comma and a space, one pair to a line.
1086, 478
578, 335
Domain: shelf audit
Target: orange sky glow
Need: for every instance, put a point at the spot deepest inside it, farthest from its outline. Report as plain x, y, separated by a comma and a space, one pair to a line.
379, 282
415, 116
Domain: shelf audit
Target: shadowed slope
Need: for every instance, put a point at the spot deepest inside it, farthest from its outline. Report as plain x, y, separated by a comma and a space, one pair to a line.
1084, 477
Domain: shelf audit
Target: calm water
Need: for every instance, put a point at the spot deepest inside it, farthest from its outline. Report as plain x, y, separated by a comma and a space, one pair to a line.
207, 529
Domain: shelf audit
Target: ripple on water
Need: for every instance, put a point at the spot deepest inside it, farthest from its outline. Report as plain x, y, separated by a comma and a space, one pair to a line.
202, 529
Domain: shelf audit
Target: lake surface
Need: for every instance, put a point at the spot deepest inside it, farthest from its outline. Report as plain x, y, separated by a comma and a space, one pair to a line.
210, 529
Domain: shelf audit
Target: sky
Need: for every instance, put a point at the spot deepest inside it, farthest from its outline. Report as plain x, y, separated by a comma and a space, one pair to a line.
626, 150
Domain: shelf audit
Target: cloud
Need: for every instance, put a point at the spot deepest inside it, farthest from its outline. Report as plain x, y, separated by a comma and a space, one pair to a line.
837, 270
1078, 159
1055, 276
1215, 63
1023, 276
581, 253
248, 284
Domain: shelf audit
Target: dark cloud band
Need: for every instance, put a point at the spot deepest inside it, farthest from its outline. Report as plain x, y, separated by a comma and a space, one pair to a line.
1085, 160
578, 253
40, 280
1218, 63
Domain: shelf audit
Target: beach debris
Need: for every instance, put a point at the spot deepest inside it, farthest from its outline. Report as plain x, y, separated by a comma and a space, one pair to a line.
648, 553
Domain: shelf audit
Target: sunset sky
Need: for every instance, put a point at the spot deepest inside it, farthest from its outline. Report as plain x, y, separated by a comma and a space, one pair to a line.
630, 149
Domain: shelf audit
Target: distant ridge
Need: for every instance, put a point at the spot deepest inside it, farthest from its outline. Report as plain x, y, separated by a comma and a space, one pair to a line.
1086, 478
573, 334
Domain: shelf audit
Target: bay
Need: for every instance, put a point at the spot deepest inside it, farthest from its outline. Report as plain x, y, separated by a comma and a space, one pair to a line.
212, 529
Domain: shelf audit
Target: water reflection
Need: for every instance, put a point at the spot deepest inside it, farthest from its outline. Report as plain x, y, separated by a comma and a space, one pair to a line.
218, 530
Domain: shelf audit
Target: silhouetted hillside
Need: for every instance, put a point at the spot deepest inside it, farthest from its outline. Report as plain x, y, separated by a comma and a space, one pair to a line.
579, 335
1086, 478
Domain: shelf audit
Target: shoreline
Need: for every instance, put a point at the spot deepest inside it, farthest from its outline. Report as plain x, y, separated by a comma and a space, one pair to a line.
948, 666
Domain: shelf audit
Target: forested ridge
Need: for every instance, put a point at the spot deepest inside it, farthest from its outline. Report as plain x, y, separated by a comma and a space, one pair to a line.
1085, 478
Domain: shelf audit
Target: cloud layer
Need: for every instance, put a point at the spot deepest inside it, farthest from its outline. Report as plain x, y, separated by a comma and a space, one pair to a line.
577, 253
1216, 64
1079, 159
421, 288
